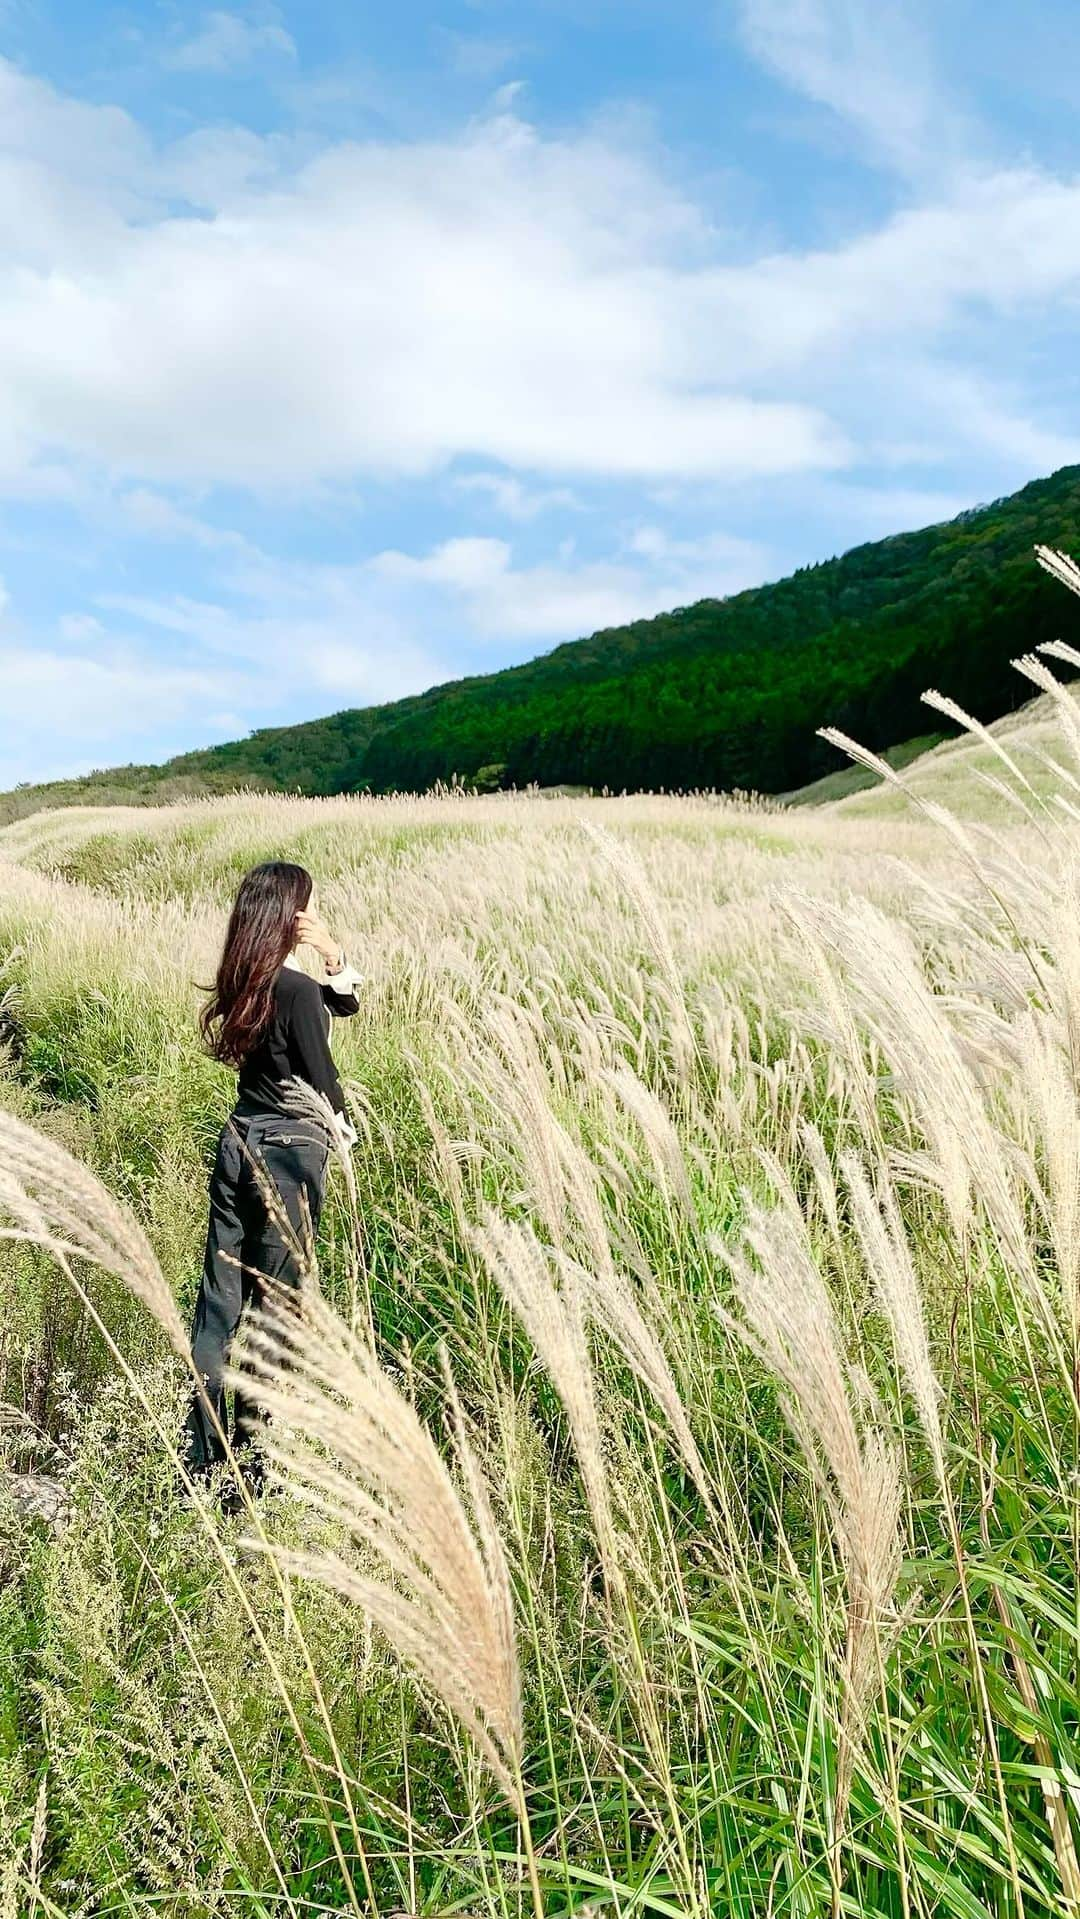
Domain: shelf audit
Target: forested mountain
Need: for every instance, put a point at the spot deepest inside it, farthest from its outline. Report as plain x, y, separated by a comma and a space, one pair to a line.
725, 693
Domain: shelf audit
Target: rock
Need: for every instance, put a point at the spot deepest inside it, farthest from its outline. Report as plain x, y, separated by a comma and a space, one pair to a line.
37, 1496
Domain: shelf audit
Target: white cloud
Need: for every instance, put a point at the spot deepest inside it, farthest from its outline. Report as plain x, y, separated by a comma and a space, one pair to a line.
869, 63
550, 305
69, 710
476, 56
385, 308
511, 497
360, 630
728, 557
503, 98
567, 597
290, 628
1001, 244
464, 563
156, 515
225, 41
990, 417
298, 639
88, 693
303, 641
79, 629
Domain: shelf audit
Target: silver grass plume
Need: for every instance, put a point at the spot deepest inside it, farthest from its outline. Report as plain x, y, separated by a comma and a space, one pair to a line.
611, 1304
818, 1159
910, 1023
888, 1260
352, 1447
932, 809
940, 703
630, 872
786, 1318
52, 1199
555, 1321
445, 1158
654, 1123
511, 1075
561, 1179
1060, 565
1064, 700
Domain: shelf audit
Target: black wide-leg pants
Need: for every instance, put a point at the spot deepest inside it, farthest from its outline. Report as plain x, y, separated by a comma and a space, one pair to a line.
246, 1245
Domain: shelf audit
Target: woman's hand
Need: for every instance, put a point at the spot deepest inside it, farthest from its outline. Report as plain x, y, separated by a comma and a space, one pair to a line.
311, 931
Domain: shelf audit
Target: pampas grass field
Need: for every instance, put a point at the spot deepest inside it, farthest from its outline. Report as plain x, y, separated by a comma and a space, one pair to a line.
674, 1505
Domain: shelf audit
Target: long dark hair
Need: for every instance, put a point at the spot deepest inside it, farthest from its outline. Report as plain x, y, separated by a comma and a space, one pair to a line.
261, 932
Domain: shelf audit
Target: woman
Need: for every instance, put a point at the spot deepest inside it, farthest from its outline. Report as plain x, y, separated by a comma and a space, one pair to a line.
271, 1020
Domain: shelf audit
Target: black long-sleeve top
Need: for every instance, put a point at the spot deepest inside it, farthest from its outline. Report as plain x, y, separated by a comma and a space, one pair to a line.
296, 1044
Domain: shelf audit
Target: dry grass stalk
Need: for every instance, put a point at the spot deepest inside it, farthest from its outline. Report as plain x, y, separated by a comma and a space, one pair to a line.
871, 1625
888, 1260
787, 1319
921, 1044
347, 1443
511, 1076
824, 1180
1049, 1084
656, 1128
554, 1318
940, 703
1060, 565
445, 1159
1064, 701
560, 1178
1062, 936
59, 1204
610, 1303
306, 1103
635, 881
832, 1020
589, 1231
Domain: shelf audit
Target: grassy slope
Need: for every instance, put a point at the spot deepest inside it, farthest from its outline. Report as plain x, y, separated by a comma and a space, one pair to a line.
966, 775
858, 779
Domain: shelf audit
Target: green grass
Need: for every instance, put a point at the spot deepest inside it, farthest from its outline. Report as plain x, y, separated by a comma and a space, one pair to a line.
180, 1734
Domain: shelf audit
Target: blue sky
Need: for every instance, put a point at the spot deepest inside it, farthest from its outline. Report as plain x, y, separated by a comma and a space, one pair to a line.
349, 347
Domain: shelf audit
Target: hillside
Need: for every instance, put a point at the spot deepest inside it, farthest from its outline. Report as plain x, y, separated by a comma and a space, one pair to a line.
722, 694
